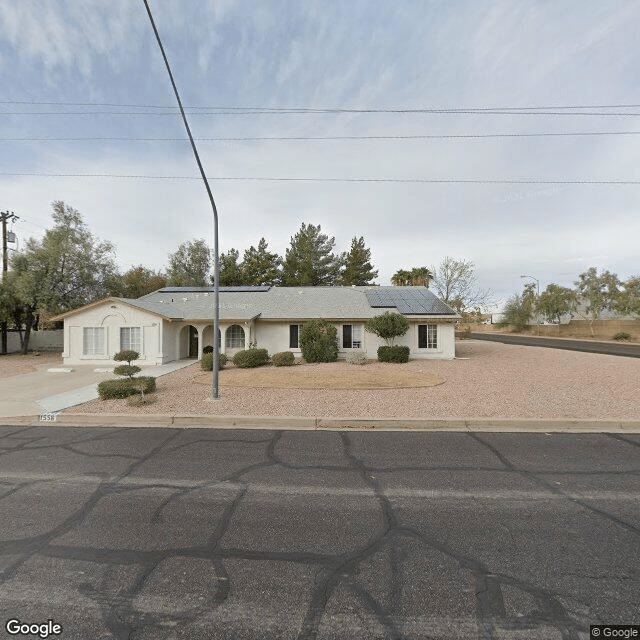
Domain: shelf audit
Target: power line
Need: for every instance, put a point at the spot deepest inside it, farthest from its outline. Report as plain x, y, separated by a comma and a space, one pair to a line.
326, 109
318, 179
320, 138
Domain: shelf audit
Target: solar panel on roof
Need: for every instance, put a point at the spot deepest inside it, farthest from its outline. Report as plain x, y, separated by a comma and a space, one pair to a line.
418, 301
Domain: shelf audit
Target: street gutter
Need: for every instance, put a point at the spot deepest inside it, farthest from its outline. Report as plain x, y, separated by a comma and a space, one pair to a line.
502, 425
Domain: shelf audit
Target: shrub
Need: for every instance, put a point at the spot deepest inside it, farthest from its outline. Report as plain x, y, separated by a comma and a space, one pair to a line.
319, 341
393, 354
357, 356
110, 389
126, 356
126, 369
388, 326
207, 349
622, 336
251, 358
206, 364
283, 359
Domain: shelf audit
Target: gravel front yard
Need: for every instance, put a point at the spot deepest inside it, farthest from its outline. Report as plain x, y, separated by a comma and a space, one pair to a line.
497, 380
15, 364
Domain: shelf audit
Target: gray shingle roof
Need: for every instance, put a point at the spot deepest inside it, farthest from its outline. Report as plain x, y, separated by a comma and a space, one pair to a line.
333, 303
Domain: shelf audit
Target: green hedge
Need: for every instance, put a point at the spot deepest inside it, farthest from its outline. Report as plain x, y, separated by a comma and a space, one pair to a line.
251, 358
206, 364
393, 354
110, 389
283, 359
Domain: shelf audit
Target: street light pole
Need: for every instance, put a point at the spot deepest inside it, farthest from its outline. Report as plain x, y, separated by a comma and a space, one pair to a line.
538, 293
215, 394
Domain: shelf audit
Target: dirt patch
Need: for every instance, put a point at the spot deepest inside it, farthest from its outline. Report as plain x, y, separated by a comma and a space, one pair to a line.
271, 378
15, 364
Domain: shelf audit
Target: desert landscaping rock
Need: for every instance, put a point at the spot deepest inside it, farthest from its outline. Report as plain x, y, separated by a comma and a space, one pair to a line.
497, 381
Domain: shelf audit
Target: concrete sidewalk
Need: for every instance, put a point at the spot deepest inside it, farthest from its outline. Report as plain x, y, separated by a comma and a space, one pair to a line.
32, 394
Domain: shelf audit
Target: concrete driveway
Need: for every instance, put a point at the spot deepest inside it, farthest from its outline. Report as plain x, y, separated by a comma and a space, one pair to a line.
48, 391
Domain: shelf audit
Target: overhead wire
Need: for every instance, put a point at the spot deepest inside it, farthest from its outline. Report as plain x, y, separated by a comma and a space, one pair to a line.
321, 179
320, 138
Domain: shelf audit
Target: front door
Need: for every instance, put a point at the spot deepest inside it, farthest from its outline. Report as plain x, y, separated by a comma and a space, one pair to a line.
193, 342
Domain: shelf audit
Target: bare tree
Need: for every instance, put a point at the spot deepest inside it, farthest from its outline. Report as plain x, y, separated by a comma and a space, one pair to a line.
455, 284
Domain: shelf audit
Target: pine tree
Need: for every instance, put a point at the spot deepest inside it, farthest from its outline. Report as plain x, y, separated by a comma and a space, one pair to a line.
357, 269
309, 261
231, 273
261, 267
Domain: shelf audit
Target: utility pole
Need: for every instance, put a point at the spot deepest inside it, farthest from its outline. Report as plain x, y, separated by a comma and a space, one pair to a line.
5, 216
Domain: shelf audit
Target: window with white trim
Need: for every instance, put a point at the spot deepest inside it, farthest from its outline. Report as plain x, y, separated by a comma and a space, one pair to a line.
93, 341
427, 336
234, 337
352, 336
131, 339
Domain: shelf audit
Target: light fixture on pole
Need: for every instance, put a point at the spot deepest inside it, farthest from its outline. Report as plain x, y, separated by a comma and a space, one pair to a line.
215, 394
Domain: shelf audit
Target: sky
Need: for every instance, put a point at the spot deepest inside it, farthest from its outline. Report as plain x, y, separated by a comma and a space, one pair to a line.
85, 92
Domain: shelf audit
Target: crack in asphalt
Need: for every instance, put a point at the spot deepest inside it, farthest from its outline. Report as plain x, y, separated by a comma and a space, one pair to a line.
119, 603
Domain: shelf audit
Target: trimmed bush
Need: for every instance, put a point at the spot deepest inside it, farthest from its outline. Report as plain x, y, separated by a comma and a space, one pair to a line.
251, 358
393, 354
111, 389
128, 369
357, 356
126, 356
319, 341
283, 359
622, 337
207, 349
206, 364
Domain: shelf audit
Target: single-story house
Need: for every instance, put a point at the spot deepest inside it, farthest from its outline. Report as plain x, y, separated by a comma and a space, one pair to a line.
177, 322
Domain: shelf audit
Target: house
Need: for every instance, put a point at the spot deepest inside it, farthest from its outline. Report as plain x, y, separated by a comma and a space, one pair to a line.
177, 322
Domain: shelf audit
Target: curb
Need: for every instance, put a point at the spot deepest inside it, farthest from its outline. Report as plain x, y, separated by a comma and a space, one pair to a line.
505, 425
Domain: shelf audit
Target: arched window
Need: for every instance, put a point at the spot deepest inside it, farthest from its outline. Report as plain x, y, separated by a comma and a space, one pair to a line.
234, 337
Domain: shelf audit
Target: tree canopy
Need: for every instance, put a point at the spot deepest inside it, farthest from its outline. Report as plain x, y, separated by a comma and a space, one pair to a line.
138, 281
455, 283
414, 277
189, 266
67, 269
556, 301
600, 291
309, 260
260, 266
356, 265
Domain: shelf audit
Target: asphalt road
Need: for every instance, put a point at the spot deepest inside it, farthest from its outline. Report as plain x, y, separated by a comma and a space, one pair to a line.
205, 534
610, 348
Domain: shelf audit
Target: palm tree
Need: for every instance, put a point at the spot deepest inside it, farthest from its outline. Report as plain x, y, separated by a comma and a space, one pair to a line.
420, 277
401, 278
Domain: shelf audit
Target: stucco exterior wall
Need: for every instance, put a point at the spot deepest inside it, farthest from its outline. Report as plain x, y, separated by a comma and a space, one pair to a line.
274, 336
165, 341
111, 316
